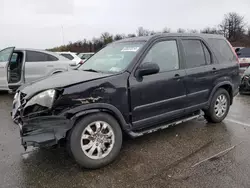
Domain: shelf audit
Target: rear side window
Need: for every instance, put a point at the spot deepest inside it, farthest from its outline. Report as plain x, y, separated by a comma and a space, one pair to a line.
194, 54
165, 54
32, 56
222, 50
68, 56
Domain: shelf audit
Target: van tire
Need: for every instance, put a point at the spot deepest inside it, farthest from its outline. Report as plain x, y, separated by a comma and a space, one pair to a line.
76, 141
210, 113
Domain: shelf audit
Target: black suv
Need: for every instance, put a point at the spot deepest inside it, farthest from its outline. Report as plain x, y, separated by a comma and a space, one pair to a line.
134, 86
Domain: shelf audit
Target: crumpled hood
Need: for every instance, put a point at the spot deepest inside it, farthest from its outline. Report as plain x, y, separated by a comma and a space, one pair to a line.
60, 80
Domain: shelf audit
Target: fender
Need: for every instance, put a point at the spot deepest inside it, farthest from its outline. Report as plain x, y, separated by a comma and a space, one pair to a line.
218, 86
83, 110
57, 71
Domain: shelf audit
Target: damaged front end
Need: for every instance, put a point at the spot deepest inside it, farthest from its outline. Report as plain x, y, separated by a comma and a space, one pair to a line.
39, 123
245, 84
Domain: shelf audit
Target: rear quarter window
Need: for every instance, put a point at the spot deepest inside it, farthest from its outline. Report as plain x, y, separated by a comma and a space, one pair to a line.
222, 50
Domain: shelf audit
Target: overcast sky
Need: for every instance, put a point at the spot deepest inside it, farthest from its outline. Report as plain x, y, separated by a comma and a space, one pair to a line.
38, 23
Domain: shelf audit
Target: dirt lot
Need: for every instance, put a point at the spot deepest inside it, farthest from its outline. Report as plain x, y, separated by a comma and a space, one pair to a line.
180, 156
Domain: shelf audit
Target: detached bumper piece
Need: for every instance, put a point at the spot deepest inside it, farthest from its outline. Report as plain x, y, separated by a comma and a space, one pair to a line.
44, 131
245, 84
40, 140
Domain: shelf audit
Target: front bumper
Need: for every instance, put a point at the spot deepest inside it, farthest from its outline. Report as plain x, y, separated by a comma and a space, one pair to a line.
43, 131
39, 131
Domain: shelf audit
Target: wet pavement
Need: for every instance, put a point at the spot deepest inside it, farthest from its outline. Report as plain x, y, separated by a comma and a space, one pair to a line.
181, 156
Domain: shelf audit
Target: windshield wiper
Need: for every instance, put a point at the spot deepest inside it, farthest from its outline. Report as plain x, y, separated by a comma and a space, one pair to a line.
90, 70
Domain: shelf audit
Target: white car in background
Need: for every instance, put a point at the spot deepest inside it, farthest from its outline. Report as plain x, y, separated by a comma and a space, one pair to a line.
20, 66
73, 57
244, 59
85, 56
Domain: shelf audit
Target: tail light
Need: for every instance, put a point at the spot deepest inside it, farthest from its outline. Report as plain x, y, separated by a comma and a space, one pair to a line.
244, 64
81, 62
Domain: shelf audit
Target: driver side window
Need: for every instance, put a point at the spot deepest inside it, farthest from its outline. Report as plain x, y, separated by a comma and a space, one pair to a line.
165, 54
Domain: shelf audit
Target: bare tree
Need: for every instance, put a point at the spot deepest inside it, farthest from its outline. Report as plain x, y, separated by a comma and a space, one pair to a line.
180, 30
210, 30
166, 30
106, 38
152, 32
131, 35
118, 37
248, 31
233, 26
193, 31
143, 32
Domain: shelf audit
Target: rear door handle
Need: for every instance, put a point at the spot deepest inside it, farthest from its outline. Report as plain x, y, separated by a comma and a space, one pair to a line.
177, 77
50, 65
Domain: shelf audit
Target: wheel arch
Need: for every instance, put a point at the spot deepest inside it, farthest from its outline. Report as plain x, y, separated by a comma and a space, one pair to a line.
225, 85
57, 71
79, 112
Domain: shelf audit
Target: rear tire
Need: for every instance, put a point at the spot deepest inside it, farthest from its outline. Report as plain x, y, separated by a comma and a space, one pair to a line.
219, 106
95, 141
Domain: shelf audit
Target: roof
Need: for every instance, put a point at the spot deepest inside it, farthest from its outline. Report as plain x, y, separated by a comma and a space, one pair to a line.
43, 51
146, 38
86, 52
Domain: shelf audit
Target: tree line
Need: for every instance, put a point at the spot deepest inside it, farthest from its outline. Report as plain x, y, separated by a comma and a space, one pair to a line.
233, 27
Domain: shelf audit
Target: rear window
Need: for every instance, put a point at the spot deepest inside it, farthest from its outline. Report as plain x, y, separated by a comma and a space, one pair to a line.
245, 52
222, 50
68, 56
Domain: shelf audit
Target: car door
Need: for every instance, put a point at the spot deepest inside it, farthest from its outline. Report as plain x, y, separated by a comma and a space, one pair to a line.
199, 77
38, 65
158, 97
5, 56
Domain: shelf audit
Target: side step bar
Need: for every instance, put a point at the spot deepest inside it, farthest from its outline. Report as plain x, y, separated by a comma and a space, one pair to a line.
135, 134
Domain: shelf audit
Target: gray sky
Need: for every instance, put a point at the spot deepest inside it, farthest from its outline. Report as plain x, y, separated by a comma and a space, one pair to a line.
38, 23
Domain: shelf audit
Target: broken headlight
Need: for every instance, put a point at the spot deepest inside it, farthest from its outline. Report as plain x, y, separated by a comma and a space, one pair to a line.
16, 95
45, 99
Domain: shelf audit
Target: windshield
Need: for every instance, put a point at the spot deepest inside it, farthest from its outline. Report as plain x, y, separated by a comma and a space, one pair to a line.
113, 58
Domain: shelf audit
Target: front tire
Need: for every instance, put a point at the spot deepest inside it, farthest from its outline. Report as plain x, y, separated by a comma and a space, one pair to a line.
96, 140
219, 106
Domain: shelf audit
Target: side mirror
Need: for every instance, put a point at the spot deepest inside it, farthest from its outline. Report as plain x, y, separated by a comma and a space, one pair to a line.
147, 69
238, 53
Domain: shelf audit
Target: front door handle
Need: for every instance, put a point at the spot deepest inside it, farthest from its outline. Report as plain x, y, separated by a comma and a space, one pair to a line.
214, 70
50, 65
